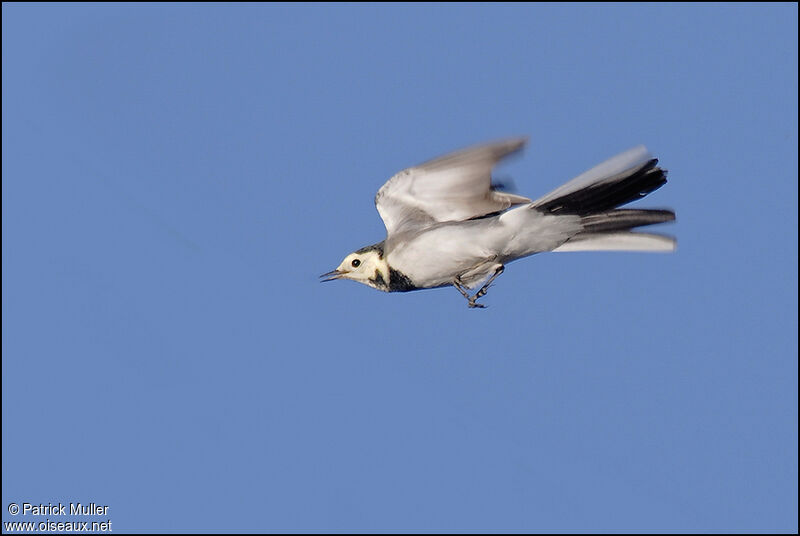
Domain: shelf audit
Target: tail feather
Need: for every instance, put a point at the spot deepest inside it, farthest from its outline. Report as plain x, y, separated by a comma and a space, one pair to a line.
623, 163
625, 219
608, 192
595, 196
622, 241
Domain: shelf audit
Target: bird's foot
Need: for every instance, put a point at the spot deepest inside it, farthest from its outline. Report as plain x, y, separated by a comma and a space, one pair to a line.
472, 302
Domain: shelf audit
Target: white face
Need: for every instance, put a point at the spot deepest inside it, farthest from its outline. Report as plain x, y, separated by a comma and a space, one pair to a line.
367, 267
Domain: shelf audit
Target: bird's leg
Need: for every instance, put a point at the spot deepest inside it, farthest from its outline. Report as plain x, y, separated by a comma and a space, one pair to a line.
499, 269
471, 300
459, 286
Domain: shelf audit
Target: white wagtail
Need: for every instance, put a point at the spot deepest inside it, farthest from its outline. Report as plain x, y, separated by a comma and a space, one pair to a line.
447, 224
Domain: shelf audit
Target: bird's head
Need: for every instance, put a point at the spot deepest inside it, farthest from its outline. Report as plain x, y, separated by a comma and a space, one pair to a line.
366, 266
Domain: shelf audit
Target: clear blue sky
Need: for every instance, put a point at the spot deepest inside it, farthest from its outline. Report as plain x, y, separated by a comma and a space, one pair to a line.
176, 177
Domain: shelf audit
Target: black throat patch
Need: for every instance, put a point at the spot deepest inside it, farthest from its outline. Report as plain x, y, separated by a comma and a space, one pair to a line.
379, 281
399, 282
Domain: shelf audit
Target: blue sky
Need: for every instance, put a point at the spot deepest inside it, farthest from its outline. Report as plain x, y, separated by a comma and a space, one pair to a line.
175, 178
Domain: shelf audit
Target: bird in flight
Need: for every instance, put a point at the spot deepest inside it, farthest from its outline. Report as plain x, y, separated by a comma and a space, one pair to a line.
448, 225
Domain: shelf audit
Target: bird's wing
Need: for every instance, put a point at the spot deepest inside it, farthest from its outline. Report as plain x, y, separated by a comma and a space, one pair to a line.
453, 187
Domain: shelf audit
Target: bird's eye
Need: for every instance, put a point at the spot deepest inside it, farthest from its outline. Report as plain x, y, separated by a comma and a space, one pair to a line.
356, 263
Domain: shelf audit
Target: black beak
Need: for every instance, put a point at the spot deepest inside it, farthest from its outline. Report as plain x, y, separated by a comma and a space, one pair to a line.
331, 276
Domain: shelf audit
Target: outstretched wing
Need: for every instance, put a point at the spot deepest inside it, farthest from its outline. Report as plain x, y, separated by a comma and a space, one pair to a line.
454, 187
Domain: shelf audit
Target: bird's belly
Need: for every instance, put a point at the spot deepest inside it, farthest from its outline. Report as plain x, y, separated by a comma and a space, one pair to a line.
436, 257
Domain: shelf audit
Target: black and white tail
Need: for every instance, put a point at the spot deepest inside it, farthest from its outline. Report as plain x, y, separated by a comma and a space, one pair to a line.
595, 196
